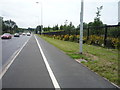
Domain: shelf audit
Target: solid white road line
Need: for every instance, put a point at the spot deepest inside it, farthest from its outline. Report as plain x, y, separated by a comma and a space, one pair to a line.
54, 80
7, 67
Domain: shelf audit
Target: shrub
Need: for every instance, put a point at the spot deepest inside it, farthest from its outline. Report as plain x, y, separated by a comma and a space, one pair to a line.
66, 37
54, 36
93, 39
115, 42
96, 40
61, 37
71, 38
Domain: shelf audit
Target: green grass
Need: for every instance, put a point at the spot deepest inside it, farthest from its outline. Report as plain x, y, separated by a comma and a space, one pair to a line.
101, 60
53, 31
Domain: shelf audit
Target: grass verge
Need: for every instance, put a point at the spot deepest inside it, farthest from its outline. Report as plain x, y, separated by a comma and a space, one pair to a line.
101, 60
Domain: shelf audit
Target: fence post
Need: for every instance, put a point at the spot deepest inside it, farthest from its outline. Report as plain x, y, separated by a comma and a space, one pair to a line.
88, 33
105, 37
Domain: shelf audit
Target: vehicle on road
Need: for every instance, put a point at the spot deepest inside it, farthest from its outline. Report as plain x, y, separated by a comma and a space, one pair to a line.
6, 36
16, 35
28, 34
23, 33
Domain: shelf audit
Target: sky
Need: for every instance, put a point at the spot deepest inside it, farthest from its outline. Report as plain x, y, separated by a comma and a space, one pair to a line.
27, 13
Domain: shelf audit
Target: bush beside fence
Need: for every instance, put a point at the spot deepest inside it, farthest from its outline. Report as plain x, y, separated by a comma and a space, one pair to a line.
93, 40
105, 36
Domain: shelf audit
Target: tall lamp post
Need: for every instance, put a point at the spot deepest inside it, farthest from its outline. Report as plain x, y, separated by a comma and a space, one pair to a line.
41, 17
119, 12
1, 21
81, 28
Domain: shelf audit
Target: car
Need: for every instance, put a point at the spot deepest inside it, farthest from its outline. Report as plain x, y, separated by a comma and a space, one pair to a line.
28, 34
6, 36
23, 33
16, 35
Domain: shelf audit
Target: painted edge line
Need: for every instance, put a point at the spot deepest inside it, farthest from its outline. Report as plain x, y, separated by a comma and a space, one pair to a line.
54, 80
10, 63
9, 60
99, 75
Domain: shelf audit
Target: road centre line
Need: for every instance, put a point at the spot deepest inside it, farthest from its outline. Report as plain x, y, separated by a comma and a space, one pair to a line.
4, 70
52, 76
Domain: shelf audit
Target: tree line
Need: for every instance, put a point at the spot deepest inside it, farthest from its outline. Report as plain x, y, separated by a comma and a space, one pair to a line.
9, 26
70, 27
97, 27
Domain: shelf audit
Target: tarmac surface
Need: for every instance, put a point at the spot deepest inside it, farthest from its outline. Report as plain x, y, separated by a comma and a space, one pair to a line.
29, 69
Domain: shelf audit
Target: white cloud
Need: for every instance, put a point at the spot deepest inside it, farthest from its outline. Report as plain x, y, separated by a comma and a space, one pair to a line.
26, 13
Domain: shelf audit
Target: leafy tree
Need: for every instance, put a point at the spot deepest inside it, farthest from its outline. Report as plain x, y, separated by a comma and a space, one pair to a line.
49, 28
56, 27
38, 29
119, 23
97, 21
70, 29
45, 29
61, 27
90, 24
9, 26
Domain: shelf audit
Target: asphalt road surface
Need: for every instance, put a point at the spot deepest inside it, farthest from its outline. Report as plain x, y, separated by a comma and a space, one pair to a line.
11, 46
41, 65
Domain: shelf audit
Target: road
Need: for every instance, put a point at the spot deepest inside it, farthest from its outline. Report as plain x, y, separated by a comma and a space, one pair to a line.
11, 46
41, 65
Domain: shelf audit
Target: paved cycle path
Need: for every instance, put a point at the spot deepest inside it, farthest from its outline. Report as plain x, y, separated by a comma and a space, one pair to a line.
29, 70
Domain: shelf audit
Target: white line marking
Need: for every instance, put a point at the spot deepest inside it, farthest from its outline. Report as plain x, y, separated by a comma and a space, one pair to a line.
7, 67
54, 80
100, 76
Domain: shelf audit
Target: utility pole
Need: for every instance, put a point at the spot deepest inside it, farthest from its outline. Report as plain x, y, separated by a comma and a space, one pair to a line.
119, 12
1, 21
41, 17
81, 28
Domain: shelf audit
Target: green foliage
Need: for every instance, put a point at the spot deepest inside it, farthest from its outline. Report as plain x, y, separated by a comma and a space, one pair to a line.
38, 28
93, 40
97, 22
9, 26
55, 27
66, 37
101, 60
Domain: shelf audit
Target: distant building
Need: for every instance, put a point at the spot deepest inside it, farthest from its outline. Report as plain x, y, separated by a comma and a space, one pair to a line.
119, 12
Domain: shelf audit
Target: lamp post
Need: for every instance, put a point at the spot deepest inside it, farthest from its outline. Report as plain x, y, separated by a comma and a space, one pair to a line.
1, 21
81, 28
119, 12
41, 17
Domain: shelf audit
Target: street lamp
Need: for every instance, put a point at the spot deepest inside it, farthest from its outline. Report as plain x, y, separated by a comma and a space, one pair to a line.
41, 17
119, 12
1, 21
81, 28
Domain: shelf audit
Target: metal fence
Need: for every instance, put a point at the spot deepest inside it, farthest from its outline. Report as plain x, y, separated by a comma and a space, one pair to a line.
107, 32
107, 36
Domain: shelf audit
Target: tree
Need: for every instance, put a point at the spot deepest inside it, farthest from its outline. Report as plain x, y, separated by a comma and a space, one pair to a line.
70, 29
119, 23
85, 25
71, 26
9, 26
97, 21
38, 29
56, 27
98, 11
61, 27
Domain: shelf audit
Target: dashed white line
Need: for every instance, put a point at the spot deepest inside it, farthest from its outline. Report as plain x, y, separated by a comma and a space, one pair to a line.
52, 76
4, 70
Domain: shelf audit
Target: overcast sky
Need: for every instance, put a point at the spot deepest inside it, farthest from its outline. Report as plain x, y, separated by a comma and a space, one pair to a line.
27, 13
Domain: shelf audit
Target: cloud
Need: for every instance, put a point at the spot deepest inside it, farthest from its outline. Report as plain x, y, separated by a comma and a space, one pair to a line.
27, 13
